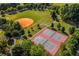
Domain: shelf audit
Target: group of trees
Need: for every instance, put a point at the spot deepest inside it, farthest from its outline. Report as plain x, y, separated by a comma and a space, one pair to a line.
4, 48
68, 13
6, 6
40, 6
71, 14
27, 48
71, 30
13, 8
61, 28
29, 32
70, 48
12, 30
9, 8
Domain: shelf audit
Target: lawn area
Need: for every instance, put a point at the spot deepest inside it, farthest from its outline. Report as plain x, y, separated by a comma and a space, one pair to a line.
35, 15
64, 24
39, 17
43, 18
2, 36
19, 42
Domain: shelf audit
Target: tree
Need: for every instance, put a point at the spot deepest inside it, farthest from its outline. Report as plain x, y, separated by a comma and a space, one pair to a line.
64, 53
13, 29
18, 51
14, 4
63, 29
71, 14
71, 30
38, 26
54, 16
29, 32
22, 32
10, 41
4, 49
17, 30
8, 34
69, 49
19, 7
24, 37
2, 12
52, 25
17, 26
76, 35
15, 33
73, 41
26, 44
36, 51
59, 26
32, 29
30, 35
2, 21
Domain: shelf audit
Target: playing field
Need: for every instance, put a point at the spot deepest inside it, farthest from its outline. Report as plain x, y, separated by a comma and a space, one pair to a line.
42, 18
38, 17
25, 22
35, 15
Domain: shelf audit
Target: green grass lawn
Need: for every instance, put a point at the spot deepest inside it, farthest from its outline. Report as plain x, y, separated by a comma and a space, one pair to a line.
39, 17
35, 15
64, 24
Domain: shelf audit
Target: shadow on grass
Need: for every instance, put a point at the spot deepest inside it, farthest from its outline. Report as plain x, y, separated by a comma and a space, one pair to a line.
54, 29
65, 33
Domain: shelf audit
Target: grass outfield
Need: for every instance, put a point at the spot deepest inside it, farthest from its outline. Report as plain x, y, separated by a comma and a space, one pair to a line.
39, 17
35, 15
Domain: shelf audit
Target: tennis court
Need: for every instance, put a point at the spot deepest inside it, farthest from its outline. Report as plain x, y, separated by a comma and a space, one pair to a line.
49, 39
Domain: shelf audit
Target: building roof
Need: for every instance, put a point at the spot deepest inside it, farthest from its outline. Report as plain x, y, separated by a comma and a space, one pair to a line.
49, 39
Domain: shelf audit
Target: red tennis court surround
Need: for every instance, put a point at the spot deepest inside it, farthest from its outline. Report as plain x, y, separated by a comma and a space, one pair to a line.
49, 39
